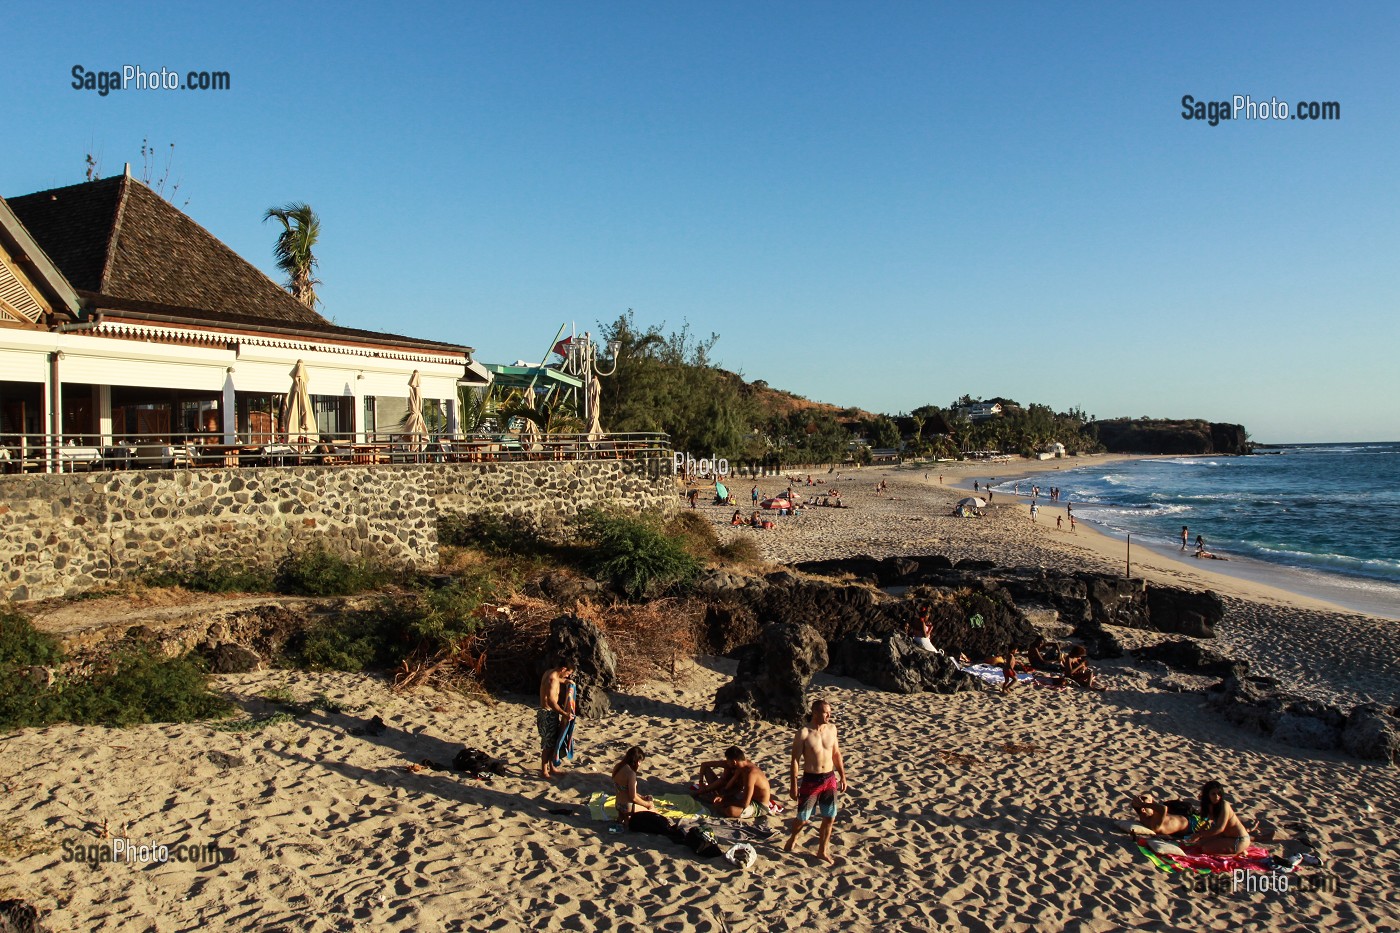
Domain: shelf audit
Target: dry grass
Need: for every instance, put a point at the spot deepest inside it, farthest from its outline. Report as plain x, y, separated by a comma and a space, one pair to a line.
650, 640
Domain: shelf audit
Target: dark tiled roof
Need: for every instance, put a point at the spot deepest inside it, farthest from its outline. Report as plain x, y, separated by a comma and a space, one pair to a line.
117, 238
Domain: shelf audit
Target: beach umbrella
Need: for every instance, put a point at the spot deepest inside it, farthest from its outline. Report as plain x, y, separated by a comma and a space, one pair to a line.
721, 492
298, 420
529, 431
413, 424
971, 502
595, 395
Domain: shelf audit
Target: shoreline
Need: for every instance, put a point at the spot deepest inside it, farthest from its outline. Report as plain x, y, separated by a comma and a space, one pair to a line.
1243, 575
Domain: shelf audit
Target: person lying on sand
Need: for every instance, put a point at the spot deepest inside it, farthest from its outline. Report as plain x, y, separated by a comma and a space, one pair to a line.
1203, 553
624, 777
1076, 669
1225, 833
739, 784
1166, 819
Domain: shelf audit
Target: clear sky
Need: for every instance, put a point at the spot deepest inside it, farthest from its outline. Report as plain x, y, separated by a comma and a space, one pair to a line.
876, 204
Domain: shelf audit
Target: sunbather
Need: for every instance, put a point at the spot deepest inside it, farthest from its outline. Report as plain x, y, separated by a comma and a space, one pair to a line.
1166, 819
1076, 669
739, 784
1225, 834
624, 778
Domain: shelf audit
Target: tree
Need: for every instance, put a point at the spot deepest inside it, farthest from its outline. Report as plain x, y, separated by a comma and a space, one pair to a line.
301, 228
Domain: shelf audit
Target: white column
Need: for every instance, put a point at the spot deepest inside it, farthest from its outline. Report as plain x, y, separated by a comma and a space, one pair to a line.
104, 414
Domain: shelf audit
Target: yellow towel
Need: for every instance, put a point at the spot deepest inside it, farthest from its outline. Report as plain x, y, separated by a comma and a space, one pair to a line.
603, 806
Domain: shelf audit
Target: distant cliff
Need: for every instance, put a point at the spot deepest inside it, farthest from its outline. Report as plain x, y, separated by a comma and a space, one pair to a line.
1153, 436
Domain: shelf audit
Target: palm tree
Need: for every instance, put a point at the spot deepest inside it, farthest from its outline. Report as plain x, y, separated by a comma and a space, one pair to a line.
301, 228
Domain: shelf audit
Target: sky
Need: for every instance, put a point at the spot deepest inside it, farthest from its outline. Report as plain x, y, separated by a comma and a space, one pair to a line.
885, 204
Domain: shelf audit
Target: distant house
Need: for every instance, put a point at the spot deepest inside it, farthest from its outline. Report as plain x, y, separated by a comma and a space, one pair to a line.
120, 317
981, 411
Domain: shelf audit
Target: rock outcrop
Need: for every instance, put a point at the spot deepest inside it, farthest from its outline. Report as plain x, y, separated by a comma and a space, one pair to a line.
896, 664
1370, 732
581, 644
771, 682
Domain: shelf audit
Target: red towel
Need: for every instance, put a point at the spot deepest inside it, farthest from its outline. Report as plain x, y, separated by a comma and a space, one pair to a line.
1253, 859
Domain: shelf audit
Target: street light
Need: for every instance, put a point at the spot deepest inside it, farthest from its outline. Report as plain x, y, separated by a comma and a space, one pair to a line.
582, 361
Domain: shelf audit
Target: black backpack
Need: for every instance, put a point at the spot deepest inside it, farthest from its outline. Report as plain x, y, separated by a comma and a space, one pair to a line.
702, 842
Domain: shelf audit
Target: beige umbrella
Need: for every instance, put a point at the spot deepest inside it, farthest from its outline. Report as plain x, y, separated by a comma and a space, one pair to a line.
529, 431
413, 424
298, 420
595, 394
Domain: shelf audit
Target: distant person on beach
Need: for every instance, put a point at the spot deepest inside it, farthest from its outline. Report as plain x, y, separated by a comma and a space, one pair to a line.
738, 518
1059, 522
1202, 553
753, 496
692, 496
1045, 655
975, 487
624, 778
1072, 523
1225, 834
551, 717
1200, 542
815, 750
1035, 510
1185, 536
740, 790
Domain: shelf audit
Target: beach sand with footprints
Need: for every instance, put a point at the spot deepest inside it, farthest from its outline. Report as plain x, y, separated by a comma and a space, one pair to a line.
968, 812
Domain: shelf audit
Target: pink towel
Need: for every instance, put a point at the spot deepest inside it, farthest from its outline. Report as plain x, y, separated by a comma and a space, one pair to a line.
1253, 859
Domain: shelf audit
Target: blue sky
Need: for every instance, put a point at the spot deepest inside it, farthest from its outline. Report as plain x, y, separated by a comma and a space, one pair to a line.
883, 205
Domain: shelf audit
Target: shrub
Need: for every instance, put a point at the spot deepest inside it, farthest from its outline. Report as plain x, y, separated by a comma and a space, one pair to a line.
422, 623
739, 550
494, 534
318, 571
21, 644
138, 685
634, 555
211, 577
695, 533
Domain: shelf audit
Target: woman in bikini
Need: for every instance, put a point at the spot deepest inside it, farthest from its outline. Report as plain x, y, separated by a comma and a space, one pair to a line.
1226, 834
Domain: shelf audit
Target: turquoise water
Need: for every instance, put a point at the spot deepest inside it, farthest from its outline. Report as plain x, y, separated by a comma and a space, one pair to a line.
1329, 511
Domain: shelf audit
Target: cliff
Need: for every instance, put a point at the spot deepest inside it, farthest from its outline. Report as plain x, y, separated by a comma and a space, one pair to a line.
1160, 436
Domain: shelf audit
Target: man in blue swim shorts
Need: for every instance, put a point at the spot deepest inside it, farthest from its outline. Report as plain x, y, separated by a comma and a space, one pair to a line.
823, 776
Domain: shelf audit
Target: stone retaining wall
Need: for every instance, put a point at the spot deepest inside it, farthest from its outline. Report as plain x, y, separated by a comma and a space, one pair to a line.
68, 533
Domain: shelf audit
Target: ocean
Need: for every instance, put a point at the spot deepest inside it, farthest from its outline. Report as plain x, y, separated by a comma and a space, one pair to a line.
1325, 517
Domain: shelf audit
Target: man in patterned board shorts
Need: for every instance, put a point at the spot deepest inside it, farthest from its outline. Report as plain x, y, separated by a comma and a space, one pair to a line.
823, 776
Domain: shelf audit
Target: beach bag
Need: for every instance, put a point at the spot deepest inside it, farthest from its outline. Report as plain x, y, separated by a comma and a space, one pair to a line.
474, 761
702, 842
742, 856
645, 821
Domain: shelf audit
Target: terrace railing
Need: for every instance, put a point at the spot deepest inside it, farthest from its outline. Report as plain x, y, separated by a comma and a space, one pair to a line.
50, 453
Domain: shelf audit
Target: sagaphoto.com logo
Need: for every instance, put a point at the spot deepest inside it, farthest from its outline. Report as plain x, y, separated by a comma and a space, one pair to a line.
1245, 107
134, 77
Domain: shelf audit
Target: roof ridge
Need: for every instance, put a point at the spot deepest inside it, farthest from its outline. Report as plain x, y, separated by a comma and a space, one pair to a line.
111, 248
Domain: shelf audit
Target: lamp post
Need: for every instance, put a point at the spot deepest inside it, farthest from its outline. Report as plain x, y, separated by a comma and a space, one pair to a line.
582, 360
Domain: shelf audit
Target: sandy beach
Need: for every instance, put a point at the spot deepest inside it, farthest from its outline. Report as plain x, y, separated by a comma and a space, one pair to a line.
968, 812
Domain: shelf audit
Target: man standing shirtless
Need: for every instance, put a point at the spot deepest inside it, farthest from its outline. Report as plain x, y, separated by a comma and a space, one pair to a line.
552, 715
739, 784
823, 776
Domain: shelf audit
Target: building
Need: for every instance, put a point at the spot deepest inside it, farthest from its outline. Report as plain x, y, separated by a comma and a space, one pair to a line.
123, 320
982, 411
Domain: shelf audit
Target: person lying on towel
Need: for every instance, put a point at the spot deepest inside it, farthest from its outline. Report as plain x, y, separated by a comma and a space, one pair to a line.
1172, 818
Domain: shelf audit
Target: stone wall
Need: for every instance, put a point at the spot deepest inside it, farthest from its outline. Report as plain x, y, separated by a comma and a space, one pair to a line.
67, 533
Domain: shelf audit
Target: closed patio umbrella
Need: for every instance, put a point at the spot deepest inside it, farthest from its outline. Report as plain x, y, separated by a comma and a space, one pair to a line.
529, 431
414, 427
298, 420
595, 394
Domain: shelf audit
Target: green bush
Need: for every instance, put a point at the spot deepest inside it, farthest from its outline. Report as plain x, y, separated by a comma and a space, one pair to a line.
139, 685
210, 577
423, 623
634, 555
494, 534
21, 644
319, 571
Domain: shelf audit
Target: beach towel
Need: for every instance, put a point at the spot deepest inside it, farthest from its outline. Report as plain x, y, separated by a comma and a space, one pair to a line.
603, 806
564, 748
992, 674
1253, 859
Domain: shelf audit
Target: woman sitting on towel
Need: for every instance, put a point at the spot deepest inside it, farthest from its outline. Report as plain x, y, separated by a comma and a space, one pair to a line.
1076, 669
738, 518
1226, 834
624, 778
